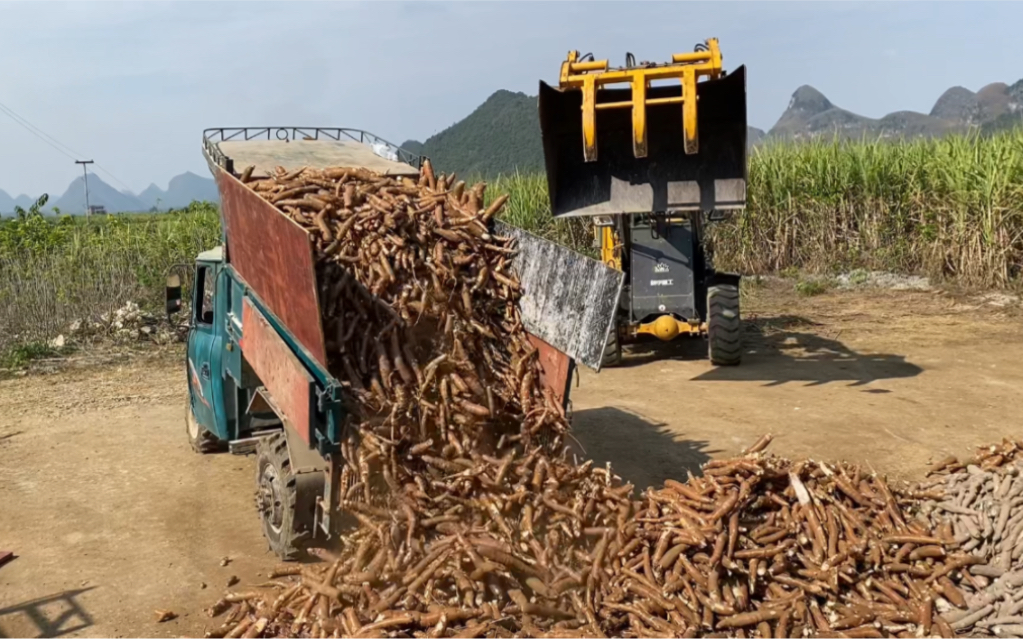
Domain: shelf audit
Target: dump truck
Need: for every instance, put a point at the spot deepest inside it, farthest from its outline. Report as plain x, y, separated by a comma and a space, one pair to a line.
652, 164
256, 354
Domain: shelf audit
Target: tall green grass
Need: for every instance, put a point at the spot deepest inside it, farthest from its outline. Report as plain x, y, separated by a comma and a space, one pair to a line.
529, 208
950, 208
54, 273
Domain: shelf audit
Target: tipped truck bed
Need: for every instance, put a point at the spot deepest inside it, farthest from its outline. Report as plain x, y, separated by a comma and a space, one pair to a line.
274, 256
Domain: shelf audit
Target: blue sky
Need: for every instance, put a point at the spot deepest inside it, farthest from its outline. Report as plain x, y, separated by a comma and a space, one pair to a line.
132, 85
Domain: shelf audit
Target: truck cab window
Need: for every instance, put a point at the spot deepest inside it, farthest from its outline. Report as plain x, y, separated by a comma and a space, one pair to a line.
205, 284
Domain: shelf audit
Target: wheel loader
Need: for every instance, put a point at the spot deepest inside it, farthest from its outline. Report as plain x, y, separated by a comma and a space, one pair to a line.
653, 153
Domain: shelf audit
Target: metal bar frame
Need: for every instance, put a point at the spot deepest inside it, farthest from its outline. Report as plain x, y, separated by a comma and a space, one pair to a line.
211, 138
592, 75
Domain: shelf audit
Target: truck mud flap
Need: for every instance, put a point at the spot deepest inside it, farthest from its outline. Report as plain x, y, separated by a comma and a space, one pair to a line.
667, 179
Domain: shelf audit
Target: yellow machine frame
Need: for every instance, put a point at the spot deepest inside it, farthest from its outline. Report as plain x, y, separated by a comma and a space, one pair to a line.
665, 327
591, 75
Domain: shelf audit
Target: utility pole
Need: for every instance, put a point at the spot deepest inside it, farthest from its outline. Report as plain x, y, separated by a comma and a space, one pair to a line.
85, 171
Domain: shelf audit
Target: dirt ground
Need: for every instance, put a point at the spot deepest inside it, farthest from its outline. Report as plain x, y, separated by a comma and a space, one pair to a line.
112, 516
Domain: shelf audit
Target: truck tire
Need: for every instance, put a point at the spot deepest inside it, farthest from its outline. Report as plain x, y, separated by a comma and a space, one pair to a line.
201, 440
284, 527
724, 325
612, 355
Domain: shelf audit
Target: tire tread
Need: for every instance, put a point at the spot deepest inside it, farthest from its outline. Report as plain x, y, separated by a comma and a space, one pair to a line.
724, 325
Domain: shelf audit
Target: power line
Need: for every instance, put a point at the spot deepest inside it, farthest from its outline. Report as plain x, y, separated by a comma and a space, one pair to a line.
4, 110
52, 141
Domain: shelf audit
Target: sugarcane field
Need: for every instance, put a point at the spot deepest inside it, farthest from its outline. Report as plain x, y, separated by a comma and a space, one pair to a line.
603, 361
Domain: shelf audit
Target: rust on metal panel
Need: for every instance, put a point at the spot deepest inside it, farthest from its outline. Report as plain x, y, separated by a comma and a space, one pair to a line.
288, 382
274, 256
568, 300
556, 366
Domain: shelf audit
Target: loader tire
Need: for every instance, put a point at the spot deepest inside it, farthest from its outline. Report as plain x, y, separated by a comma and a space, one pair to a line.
612, 355
201, 440
724, 325
277, 499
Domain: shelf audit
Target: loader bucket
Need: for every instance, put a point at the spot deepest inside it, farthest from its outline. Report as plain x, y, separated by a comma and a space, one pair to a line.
668, 178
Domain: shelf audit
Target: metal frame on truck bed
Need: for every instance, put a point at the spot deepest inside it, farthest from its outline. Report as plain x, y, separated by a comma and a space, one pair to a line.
257, 357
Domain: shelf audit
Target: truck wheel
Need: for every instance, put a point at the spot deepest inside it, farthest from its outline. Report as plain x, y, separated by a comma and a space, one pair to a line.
724, 326
612, 355
277, 498
201, 440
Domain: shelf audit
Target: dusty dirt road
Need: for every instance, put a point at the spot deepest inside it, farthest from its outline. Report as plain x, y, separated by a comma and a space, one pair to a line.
112, 516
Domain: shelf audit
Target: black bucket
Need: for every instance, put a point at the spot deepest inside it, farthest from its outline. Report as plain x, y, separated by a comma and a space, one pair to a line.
667, 179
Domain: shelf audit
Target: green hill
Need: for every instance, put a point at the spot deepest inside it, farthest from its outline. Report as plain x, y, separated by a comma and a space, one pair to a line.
501, 136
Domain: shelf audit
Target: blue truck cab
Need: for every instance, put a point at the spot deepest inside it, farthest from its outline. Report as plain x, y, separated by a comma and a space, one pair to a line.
230, 408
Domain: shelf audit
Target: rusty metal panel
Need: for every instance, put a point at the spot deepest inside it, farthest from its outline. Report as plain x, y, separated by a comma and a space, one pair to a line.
285, 378
568, 299
274, 256
556, 366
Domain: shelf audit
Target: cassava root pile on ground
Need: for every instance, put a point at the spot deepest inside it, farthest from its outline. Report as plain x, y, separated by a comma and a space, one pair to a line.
983, 502
472, 520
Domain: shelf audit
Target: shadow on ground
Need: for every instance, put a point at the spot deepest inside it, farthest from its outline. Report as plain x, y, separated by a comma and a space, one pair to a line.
642, 452
52, 616
782, 349
788, 349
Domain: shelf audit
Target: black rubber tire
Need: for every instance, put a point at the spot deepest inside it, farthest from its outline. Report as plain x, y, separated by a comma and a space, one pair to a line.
201, 440
724, 325
612, 355
286, 535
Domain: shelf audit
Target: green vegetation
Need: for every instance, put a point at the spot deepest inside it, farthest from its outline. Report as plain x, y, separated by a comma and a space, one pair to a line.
811, 287
501, 137
949, 208
56, 271
19, 355
528, 208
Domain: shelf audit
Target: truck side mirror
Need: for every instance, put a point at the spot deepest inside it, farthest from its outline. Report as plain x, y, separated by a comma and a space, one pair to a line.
173, 294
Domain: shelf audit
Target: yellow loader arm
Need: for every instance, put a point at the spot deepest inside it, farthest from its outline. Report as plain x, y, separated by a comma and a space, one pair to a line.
592, 75
687, 135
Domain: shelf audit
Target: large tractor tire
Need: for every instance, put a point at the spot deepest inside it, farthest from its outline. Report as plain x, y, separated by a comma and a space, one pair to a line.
201, 440
612, 355
286, 523
724, 326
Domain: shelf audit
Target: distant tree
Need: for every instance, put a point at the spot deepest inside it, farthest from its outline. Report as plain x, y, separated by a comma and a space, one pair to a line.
30, 231
34, 210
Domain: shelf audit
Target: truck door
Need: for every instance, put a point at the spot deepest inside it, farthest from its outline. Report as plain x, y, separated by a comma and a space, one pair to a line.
201, 341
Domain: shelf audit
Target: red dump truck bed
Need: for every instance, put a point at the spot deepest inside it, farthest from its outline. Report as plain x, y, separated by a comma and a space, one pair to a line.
568, 299
267, 248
